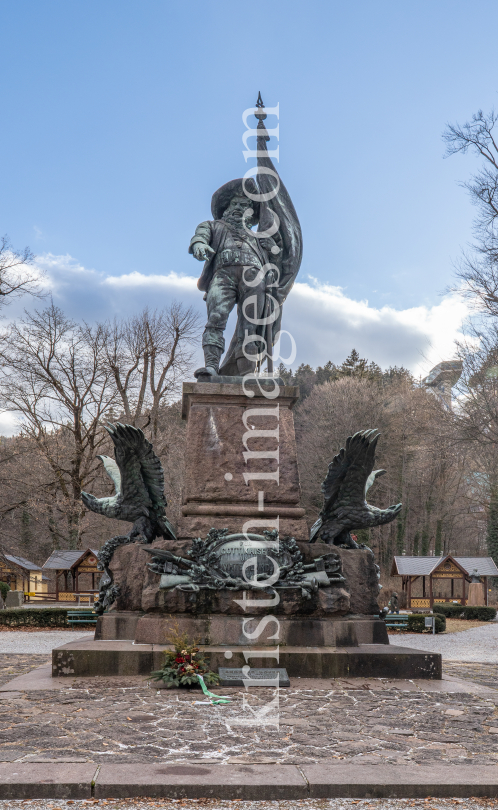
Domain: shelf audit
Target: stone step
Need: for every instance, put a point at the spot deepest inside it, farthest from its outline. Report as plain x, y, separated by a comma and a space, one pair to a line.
189, 780
91, 658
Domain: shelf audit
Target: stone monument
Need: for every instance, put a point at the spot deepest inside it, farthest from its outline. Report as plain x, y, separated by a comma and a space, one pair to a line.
477, 594
241, 572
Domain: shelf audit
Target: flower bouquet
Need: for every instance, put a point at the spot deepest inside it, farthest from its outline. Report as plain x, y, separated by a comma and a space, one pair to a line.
184, 663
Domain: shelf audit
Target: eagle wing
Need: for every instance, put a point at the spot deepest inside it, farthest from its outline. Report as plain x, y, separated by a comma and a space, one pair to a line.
350, 469
111, 506
134, 459
138, 477
348, 475
372, 478
112, 471
359, 460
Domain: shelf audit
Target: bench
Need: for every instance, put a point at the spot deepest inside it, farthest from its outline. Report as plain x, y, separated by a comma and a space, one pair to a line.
393, 620
81, 617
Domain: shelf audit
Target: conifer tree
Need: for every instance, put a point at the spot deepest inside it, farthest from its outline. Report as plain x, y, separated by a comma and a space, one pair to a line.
285, 374
425, 541
492, 534
305, 379
356, 366
326, 373
438, 543
26, 537
400, 531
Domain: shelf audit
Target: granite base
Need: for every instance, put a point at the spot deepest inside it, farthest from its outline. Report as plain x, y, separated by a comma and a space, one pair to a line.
92, 658
233, 631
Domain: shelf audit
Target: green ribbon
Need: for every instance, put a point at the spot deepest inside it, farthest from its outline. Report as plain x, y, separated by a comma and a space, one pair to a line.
213, 698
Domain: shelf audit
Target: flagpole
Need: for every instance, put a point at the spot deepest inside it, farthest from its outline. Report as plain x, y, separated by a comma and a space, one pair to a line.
261, 115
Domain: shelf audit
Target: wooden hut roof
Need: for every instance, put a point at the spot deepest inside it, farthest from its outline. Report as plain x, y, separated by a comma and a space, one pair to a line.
21, 562
65, 560
424, 566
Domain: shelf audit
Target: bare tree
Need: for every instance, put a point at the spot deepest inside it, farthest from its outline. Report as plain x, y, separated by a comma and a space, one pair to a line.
149, 355
17, 275
64, 380
55, 378
478, 272
477, 410
427, 469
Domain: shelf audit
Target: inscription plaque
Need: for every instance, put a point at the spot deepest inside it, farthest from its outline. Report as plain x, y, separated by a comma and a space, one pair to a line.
253, 676
232, 554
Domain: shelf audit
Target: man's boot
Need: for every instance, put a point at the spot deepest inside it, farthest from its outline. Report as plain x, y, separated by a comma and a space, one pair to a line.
213, 344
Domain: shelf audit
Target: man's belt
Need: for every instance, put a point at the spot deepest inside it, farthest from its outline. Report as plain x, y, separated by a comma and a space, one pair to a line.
237, 256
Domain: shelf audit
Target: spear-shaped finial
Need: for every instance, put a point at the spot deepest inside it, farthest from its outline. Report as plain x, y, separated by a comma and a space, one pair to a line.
261, 115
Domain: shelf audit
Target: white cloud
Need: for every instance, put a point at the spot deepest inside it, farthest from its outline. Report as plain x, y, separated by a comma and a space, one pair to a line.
325, 323
170, 280
9, 424
62, 267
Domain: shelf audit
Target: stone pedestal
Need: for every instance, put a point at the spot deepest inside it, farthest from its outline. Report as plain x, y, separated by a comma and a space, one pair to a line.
341, 615
14, 599
227, 631
139, 587
242, 475
476, 594
223, 461
90, 658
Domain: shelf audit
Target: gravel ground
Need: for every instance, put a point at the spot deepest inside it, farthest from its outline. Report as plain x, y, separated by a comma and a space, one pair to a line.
476, 644
217, 804
38, 643
479, 644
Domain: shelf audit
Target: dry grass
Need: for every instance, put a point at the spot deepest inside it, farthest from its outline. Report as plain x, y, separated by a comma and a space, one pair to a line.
457, 625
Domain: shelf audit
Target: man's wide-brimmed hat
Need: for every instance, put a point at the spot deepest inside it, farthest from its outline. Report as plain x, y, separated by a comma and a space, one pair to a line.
221, 198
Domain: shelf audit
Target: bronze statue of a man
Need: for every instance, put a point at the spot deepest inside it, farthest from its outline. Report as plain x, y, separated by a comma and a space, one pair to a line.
251, 269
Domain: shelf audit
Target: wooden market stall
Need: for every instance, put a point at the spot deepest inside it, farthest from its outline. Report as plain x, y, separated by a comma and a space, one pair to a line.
76, 574
430, 580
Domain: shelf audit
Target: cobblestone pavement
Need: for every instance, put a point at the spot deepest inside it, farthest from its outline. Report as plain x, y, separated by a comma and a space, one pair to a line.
13, 665
112, 720
483, 674
478, 644
217, 804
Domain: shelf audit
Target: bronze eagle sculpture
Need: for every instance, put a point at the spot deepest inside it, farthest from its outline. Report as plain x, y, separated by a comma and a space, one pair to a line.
350, 475
139, 498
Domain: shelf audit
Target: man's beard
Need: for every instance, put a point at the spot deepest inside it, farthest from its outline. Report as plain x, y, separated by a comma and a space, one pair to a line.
237, 221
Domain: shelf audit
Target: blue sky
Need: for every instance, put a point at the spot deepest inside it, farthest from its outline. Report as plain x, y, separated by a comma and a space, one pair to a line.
120, 119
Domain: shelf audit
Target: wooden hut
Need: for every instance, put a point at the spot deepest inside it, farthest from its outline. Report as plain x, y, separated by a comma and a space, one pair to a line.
429, 580
75, 573
22, 575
